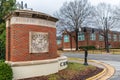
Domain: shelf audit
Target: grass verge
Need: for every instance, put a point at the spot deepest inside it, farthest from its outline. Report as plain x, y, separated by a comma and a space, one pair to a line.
112, 51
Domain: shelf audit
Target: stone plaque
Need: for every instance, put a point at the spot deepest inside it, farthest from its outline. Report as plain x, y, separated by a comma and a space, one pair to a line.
39, 42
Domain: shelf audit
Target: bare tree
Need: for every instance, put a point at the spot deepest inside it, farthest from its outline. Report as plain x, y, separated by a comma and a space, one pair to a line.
104, 19
117, 12
117, 16
72, 15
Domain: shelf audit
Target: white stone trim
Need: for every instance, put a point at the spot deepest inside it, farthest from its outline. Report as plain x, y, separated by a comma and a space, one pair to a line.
40, 46
62, 60
68, 49
7, 23
35, 62
21, 72
30, 42
27, 69
32, 21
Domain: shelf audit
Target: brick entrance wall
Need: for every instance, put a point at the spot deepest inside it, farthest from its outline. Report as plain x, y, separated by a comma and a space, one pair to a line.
18, 43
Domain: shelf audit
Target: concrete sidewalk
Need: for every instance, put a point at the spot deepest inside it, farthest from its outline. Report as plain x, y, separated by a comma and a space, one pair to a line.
104, 75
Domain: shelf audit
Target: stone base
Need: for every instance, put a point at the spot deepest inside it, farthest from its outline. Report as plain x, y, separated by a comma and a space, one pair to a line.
68, 49
29, 69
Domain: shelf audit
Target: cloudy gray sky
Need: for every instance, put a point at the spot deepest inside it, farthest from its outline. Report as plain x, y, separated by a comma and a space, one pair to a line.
51, 6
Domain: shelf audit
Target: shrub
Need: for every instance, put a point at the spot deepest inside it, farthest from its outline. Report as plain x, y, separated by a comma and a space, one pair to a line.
2, 50
115, 48
5, 71
87, 47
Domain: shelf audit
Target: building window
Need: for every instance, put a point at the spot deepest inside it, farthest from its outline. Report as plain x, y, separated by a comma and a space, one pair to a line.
81, 36
66, 38
58, 42
101, 38
109, 37
92, 36
114, 37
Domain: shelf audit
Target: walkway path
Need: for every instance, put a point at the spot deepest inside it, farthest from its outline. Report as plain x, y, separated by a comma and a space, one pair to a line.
116, 64
113, 60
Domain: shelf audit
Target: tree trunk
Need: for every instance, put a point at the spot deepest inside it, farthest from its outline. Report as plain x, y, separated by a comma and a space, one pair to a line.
107, 44
106, 34
71, 42
76, 33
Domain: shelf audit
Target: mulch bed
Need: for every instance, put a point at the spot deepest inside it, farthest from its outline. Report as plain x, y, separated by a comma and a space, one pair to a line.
81, 75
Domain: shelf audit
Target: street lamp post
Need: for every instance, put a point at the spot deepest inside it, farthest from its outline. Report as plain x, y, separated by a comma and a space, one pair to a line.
85, 50
85, 58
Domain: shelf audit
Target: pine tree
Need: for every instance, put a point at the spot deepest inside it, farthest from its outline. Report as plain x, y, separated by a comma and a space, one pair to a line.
6, 6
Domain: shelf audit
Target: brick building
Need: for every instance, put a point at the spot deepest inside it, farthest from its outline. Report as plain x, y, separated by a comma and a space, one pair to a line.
89, 38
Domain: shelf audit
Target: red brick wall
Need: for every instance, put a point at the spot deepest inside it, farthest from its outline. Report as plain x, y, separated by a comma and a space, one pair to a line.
96, 43
19, 49
68, 44
59, 46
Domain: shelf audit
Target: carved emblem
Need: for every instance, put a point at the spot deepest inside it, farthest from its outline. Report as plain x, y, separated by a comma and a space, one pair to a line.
38, 42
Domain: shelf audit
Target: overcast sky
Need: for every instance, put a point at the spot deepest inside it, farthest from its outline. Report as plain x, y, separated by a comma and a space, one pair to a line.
51, 6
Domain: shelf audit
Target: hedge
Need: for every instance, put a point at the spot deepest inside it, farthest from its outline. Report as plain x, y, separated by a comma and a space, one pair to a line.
5, 71
87, 47
2, 50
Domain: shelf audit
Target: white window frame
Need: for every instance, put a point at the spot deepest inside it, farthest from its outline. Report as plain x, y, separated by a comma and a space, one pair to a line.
115, 37
66, 38
81, 36
92, 36
101, 38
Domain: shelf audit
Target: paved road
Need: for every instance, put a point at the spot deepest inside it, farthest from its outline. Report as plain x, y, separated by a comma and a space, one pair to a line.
113, 60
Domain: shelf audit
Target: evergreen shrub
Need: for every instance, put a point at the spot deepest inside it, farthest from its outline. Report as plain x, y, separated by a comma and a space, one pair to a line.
5, 71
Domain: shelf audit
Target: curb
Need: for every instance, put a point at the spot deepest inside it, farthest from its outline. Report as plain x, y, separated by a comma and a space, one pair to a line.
107, 72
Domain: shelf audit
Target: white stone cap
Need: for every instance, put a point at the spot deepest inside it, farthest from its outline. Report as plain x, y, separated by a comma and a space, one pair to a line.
30, 14
62, 58
30, 18
34, 62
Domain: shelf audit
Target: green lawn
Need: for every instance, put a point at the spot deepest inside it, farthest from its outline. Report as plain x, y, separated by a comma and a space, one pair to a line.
115, 51
112, 51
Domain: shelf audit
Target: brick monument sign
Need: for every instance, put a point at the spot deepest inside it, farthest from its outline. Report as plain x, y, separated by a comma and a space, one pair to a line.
31, 47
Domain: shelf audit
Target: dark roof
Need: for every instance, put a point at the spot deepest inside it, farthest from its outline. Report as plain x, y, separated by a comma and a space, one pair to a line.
31, 14
95, 30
